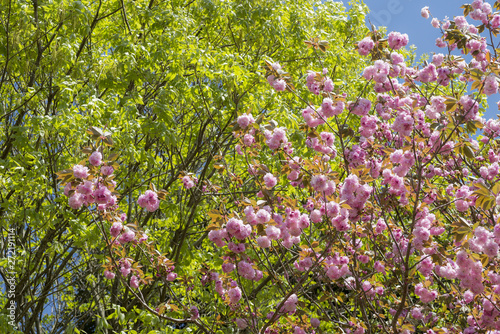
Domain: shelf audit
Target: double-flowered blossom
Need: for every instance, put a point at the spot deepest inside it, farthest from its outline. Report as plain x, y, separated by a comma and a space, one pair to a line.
425, 12
270, 180
469, 273
218, 237
80, 172
312, 82
356, 156
264, 241
116, 229
245, 120
490, 85
461, 22
329, 108
248, 140
368, 125
426, 295
239, 230
397, 40
403, 124
469, 106
276, 138
188, 182
85, 188
379, 71
323, 144
360, 107
134, 281
463, 202
492, 128
365, 46
107, 170
355, 194
489, 172
149, 201
484, 241
328, 85
313, 117
278, 84
272, 232
262, 216
426, 266
436, 108
102, 194
127, 235
336, 266
234, 295
125, 267
246, 270
290, 304
322, 184
95, 158
428, 74
108, 274
76, 201
403, 161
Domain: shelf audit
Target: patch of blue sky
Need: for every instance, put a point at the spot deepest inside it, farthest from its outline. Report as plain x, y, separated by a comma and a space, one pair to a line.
404, 16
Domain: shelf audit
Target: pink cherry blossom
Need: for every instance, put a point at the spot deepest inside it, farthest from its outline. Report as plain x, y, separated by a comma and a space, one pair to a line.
365, 46
116, 229
76, 201
107, 170
134, 282
187, 182
80, 172
149, 201
425, 12
108, 274
95, 158
269, 180
245, 120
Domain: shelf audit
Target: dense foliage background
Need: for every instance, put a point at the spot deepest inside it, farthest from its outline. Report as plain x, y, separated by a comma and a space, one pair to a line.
167, 79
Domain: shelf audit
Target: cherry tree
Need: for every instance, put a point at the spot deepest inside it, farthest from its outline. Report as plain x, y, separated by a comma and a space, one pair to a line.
378, 215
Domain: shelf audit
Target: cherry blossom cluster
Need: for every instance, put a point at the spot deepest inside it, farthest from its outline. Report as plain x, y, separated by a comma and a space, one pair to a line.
278, 84
87, 190
383, 215
386, 214
91, 185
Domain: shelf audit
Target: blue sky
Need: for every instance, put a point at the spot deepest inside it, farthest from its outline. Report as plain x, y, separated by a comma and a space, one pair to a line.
404, 16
